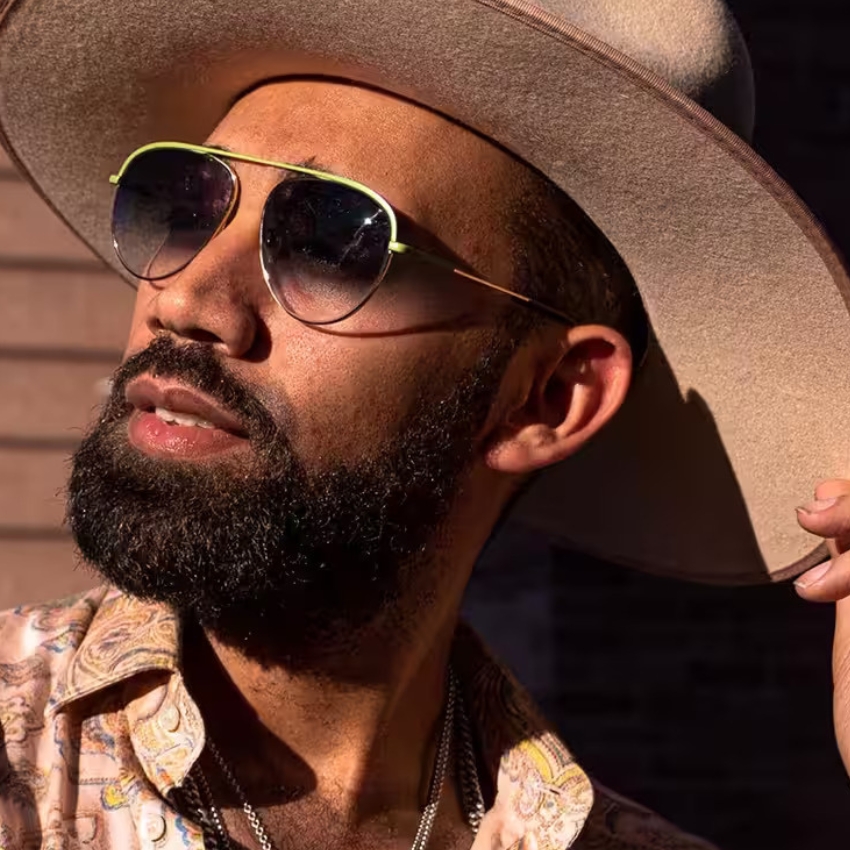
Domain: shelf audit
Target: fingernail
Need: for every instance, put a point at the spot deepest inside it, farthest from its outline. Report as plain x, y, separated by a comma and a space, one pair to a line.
813, 576
818, 505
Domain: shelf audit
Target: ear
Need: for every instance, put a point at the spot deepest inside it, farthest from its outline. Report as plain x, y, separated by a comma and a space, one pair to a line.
574, 392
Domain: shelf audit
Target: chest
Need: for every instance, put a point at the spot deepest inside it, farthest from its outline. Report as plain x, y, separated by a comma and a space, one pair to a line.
315, 825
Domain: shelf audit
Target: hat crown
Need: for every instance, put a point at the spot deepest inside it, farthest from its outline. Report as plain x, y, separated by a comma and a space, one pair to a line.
695, 45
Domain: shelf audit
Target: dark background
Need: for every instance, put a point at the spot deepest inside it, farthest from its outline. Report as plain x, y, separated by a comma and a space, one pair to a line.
711, 706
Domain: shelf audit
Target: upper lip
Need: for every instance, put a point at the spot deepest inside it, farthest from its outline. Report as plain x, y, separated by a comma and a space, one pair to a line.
147, 393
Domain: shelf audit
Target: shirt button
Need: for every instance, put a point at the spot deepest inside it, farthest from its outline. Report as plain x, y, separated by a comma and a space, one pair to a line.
154, 827
170, 718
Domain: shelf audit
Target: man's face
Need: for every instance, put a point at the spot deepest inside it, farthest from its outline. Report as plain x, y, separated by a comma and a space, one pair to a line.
351, 440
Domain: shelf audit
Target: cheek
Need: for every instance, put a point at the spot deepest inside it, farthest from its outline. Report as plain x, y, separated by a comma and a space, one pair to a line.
349, 396
427, 301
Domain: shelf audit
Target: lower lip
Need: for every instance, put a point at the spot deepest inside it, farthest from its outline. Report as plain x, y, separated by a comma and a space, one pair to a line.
151, 435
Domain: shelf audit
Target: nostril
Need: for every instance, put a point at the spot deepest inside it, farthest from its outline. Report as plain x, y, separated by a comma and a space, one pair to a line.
208, 304
200, 335
188, 332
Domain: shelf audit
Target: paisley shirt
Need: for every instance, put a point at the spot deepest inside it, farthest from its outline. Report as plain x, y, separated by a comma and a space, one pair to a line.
97, 730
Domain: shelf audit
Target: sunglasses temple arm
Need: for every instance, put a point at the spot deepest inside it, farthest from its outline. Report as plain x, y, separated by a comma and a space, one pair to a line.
524, 300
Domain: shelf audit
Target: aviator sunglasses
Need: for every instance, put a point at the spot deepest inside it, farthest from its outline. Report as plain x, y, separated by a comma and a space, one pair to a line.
326, 242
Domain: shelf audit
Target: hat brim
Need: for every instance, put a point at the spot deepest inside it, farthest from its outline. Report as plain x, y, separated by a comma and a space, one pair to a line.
739, 408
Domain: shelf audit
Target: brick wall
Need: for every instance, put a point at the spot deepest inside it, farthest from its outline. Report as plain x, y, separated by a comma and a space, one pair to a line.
61, 332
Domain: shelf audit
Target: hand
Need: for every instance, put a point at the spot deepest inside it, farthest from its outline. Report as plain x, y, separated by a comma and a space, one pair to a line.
829, 516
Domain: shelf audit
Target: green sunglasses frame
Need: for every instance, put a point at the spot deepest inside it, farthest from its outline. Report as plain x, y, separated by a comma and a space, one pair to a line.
395, 247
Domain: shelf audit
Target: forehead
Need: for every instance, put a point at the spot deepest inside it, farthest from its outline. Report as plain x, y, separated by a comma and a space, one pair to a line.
419, 160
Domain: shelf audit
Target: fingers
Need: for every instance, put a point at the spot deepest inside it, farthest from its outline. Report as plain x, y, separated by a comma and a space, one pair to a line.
827, 582
828, 514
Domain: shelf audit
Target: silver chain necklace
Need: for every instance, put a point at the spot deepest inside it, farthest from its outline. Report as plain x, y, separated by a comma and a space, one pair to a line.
216, 837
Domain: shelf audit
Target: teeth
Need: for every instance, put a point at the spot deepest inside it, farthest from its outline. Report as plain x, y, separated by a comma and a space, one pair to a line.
173, 418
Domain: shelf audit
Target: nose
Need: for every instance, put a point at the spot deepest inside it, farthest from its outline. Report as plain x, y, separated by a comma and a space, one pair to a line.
219, 296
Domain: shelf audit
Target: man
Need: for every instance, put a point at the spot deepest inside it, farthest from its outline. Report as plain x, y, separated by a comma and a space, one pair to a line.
361, 329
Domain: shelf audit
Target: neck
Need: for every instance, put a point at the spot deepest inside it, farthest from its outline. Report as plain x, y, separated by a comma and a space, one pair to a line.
362, 730
363, 738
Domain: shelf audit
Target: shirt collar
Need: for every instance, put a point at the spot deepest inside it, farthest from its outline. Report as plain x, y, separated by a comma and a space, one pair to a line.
126, 637
540, 789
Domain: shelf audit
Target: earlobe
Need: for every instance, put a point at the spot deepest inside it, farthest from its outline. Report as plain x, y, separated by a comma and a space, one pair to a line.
581, 388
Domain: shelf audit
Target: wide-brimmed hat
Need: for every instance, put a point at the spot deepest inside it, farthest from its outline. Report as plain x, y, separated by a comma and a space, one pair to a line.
740, 406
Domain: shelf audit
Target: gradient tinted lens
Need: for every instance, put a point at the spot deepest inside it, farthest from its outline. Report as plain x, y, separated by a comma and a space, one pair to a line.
324, 247
168, 205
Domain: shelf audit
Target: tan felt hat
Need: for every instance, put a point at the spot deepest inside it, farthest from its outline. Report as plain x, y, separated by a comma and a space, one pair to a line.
740, 408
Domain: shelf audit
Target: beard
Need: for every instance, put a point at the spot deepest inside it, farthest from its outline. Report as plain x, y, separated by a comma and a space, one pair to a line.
285, 564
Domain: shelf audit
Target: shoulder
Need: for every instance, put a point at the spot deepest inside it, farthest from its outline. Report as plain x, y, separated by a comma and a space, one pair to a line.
616, 823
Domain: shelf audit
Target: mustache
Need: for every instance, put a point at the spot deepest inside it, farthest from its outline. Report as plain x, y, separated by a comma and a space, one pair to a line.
197, 366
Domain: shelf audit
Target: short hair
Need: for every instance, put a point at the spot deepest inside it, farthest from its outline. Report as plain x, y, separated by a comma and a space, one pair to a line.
560, 257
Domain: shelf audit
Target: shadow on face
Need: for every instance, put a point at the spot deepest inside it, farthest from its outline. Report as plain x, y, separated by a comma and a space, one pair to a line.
449, 188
